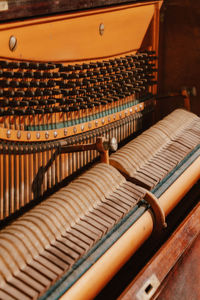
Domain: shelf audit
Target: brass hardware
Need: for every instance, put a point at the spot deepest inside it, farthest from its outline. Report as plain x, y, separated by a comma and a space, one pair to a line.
101, 29
113, 145
149, 288
65, 131
46, 135
12, 43
18, 134
8, 133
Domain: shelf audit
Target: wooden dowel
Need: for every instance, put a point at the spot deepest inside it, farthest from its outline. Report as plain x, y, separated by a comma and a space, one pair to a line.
91, 283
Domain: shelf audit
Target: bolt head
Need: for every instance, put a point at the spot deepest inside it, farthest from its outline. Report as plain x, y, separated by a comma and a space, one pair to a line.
8, 133
74, 130
28, 136
65, 131
101, 29
46, 135
18, 134
12, 43
113, 144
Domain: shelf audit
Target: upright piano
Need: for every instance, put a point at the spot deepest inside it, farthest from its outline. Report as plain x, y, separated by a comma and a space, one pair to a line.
88, 172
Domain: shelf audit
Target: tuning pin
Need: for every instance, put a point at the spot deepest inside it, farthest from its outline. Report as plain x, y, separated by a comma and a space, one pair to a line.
43, 84
58, 92
1, 111
39, 93
24, 103
30, 111
70, 84
4, 64
34, 83
51, 83
51, 66
24, 84
71, 100
73, 92
29, 93
27, 74
45, 66
8, 74
19, 112
48, 110
38, 74
9, 112
43, 102
57, 109
51, 101
39, 110
83, 106
47, 92
73, 76
54, 74
74, 108
33, 102
65, 108
14, 103
8, 93
24, 65
14, 83
4, 102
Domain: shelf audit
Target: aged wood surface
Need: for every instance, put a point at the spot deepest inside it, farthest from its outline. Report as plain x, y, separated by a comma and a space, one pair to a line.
13, 9
184, 281
166, 259
179, 52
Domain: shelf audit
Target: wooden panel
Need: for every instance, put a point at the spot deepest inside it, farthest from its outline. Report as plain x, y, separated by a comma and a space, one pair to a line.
166, 258
179, 52
77, 36
184, 281
73, 130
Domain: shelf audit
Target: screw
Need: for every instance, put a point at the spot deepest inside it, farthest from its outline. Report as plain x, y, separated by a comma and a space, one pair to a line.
12, 43
101, 29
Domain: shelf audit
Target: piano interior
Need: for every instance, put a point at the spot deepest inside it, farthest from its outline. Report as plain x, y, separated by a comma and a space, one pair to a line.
99, 159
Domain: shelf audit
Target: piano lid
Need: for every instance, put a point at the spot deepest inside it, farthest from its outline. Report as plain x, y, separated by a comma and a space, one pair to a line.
17, 9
